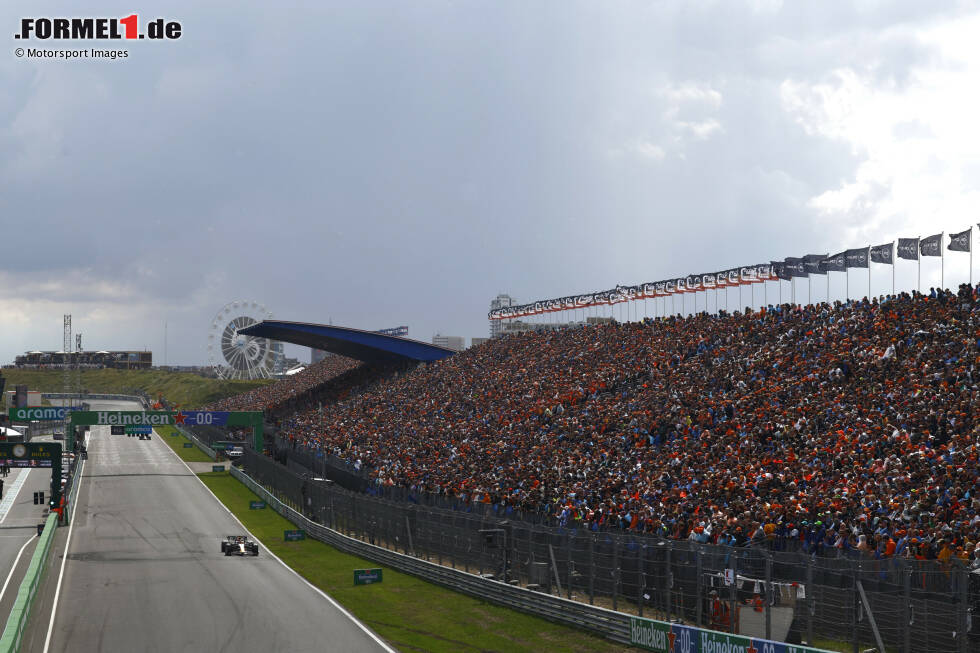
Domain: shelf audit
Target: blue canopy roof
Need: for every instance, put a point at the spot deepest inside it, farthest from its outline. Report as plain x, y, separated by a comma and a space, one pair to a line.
366, 346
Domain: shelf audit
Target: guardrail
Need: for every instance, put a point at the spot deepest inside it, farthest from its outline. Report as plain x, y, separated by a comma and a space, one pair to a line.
14, 630
208, 451
616, 626
75, 481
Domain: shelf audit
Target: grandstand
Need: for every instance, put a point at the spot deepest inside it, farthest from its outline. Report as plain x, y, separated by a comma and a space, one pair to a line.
848, 427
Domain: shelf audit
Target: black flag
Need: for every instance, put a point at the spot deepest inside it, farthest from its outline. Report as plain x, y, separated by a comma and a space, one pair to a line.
835, 263
908, 248
931, 246
960, 242
857, 258
811, 263
794, 267
882, 254
779, 271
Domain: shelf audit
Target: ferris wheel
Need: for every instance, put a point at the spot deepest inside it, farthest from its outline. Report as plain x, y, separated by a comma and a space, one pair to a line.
234, 355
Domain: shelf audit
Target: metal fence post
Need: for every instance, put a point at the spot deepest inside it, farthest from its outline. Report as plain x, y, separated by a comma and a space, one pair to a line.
668, 585
810, 603
906, 607
699, 566
768, 595
733, 611
640, 581
855, 606
568, 569
615, 591
963, 627
591, 569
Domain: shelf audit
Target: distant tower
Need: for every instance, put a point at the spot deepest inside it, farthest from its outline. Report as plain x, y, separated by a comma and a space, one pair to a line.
501, 301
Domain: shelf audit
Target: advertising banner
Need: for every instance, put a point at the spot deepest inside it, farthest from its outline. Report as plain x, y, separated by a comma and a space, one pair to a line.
367, 576
41, 413
673, 638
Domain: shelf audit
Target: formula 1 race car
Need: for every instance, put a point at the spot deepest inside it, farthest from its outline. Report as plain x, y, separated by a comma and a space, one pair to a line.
239, 545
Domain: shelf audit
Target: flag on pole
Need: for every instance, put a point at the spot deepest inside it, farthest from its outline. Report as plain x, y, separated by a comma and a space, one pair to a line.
857, 258
960, 242
794, 267
780, 272
811, 263
882, 254
835, 263
931, 246
908, 248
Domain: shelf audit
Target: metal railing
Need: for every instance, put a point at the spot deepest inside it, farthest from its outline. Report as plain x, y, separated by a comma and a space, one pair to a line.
605, 622
19, 614
208, 451
908, 604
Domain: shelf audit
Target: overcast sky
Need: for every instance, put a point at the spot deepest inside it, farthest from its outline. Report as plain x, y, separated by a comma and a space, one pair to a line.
387, 163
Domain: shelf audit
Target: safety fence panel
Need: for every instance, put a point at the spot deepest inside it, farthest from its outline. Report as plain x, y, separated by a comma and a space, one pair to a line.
21, 611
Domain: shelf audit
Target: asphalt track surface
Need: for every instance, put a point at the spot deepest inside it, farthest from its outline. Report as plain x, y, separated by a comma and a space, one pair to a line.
145, 570
19, 517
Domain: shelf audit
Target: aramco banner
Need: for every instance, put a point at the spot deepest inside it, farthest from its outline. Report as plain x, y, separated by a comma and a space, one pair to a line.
41, 413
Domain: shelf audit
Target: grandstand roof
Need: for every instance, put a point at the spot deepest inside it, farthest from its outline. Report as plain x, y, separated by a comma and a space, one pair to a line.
366, 346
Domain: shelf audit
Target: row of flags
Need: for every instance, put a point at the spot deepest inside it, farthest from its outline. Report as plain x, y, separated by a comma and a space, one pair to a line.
786, 270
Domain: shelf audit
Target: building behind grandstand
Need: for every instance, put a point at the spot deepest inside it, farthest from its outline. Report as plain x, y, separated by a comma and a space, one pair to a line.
129, 360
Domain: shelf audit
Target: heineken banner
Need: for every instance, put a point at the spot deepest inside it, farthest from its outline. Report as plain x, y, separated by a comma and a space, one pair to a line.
163, 418
154, 418
673, 638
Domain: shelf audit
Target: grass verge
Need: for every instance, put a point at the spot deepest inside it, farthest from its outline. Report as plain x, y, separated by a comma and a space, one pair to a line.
411, 614
188, 390
176, 441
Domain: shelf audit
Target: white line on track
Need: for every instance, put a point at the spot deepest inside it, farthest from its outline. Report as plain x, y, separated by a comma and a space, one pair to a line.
8, 501
64, 559
13, 567
316, 589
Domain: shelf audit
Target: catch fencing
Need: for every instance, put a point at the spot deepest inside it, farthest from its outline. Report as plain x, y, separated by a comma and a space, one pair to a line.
907, 605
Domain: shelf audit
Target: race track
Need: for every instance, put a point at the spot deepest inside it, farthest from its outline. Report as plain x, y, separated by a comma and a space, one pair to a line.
145, 571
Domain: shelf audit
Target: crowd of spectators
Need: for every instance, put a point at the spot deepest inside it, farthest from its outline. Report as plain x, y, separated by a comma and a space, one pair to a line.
848, 426
291, 393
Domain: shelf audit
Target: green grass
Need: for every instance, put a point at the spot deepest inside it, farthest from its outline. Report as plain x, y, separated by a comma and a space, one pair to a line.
187, 390
175, 440
409, 613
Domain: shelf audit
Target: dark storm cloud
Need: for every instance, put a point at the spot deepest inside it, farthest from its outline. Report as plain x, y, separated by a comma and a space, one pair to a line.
396, 163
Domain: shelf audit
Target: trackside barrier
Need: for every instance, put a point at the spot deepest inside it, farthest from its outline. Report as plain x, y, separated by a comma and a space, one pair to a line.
208, 451
75, 480
613, 625
14, 630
